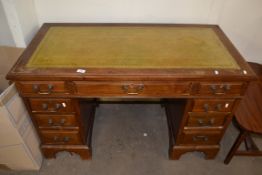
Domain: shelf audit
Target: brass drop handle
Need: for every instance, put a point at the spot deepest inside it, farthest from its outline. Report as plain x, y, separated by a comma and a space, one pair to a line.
133, 89
66, 139
55, 138
58, 106
215, 91
206, 107
202, 123
213, 88
37, 90
62, 121
50, 121
219, 107
227, 87
211, 121
200, 138
45, 106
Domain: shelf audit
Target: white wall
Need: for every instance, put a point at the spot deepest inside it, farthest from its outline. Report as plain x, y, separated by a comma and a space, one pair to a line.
6, 38
27, 17
157, 11
241, 20
21, 19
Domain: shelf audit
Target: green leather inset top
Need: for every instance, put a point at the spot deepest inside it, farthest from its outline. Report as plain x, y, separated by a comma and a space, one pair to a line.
131, 47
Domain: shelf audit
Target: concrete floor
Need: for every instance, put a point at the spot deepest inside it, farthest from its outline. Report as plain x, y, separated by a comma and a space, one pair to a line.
133, 139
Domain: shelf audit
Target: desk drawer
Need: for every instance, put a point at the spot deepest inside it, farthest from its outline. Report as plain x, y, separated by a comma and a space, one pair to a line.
56, 121
194, 137
206, 119
227, 88
153, 89
217, 105
60, 137
44, 87
51, 105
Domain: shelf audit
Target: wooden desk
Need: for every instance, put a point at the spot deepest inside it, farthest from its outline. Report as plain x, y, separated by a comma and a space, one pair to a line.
194, 69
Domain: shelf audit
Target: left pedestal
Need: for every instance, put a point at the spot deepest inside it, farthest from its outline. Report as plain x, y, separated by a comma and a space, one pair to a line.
63, 124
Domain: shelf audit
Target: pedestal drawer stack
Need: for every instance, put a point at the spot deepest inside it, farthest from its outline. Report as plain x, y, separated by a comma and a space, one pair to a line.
199, 123
60, 123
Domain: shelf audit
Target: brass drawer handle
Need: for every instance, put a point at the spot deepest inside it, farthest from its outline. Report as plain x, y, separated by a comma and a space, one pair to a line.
206, 107
59, 139
50, 122
207, 124
225, 88
133, 89
56, 138
219, 107
66, 139
61, 123
37, 90
56, 107
200, 138
45, 106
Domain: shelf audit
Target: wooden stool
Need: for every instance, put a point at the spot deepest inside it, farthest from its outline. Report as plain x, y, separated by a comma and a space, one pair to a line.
249, 118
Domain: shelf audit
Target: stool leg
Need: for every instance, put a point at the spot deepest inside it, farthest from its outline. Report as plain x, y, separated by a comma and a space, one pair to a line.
242, 135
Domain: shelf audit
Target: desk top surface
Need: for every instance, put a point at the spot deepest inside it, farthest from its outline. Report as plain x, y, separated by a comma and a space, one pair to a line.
131, 47
111, 48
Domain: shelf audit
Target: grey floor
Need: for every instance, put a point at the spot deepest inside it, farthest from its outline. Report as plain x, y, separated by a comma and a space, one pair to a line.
133, 139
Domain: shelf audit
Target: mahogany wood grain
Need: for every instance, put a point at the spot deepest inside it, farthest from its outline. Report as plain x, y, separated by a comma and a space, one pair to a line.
215, 105
249, 112
54, 121
53, 105
153, 89
249, 118
43, 87
215, 88
206, 120
59, 137
62, 92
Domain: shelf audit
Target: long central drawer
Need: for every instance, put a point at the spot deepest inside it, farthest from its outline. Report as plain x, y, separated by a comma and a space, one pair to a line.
152, 89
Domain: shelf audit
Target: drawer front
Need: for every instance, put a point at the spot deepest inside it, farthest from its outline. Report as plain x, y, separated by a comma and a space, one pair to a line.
60, 137
47, 121
51, 105
206, 119
216, 105
200, 138
153, 89
44, 87
221, 88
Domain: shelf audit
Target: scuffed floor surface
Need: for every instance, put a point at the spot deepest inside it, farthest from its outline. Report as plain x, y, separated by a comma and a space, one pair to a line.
132, 139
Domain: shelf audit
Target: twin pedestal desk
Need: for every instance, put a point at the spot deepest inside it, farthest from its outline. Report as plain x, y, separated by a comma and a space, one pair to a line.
193, 70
